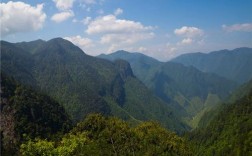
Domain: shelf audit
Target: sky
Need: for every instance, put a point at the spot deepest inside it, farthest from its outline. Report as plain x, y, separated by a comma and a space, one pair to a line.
162, 29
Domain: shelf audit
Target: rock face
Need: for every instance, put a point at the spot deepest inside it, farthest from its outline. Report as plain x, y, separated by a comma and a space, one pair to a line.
124, 69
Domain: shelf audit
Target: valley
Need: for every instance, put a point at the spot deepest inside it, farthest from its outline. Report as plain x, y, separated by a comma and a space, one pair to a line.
52, 90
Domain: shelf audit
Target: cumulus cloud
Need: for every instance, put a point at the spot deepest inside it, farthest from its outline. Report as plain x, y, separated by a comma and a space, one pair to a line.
246, 27
186, 41
62, 16
189, 31
118, 11
110, 24
189, 35
118, 33
20, 17
80, 41
64, 4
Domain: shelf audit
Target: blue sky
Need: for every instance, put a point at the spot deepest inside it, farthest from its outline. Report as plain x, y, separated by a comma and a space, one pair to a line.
162, 29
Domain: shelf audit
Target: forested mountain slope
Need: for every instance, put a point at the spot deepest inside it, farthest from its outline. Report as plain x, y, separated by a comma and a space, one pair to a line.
229, 132
84, 84
232, 64
186, 89
28, 113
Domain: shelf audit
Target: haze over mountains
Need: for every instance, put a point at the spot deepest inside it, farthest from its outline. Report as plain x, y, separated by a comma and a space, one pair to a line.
232, 64
181, 95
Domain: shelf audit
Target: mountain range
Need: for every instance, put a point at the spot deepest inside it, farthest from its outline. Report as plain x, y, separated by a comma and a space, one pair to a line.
184, 88
49, 88
231, 64
84, 84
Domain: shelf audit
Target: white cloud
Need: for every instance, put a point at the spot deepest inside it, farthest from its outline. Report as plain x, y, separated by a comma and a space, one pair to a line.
119, 33
190, 36
118, 11
20, 17
80, 41
110, 24
246, 27
187, 41
62, 16
189, 31
64, 4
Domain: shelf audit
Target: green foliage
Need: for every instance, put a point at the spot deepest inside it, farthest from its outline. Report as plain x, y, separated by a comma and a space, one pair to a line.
83, 84
185, 89
25, 112
155, 140
229, 132
37, 147
140, 103
98, 135
69, 145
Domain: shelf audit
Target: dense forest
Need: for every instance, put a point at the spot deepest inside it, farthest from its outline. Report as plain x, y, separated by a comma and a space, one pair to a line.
56, 100
99, 135
84, 84
229, 132
28, 113
34, 124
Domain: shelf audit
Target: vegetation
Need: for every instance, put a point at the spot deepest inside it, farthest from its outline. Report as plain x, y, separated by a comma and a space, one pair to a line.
229, 132
187, 90
84, 84
27, 113
33, 123
231, 64
98, 135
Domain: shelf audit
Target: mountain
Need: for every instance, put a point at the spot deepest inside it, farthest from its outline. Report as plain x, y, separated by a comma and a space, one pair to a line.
231, 64
28, 113
188, 90
142, 65
230, 131
84, 84
237, 94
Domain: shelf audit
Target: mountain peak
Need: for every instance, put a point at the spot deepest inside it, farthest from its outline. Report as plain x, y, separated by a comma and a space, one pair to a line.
61, 45
61, 41
122, 52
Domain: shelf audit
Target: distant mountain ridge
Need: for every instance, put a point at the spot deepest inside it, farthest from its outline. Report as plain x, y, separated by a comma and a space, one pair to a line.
186, 89
232, 64
84, 84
